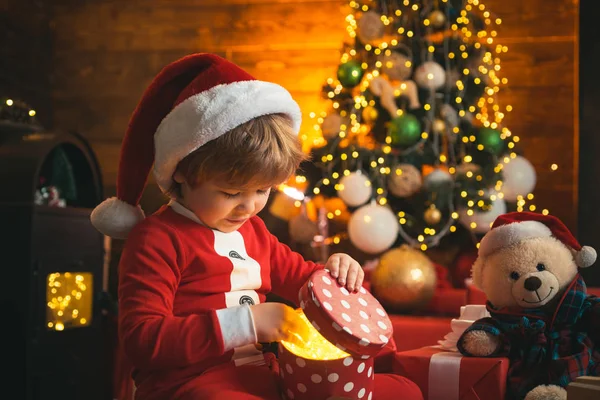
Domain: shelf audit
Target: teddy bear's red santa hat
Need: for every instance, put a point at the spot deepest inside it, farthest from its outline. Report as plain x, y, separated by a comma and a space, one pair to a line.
512, 228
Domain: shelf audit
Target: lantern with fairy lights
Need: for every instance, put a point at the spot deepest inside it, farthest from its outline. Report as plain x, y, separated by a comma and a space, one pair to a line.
416, 123
55, 264
346, 330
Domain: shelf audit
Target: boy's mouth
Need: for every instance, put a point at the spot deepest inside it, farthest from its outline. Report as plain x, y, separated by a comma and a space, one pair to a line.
236, 220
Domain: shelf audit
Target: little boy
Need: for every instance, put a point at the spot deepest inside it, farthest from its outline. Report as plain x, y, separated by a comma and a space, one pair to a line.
193, 277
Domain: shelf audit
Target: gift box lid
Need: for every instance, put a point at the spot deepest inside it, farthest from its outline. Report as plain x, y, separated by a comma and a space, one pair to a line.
354, 322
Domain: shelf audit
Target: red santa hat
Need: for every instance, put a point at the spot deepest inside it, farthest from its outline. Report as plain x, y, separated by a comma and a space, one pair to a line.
190, 102
511, 228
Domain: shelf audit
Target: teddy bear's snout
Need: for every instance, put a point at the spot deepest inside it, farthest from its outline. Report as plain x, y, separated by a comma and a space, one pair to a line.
532, 283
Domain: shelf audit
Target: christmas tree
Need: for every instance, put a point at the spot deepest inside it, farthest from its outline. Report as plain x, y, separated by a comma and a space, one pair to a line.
414, 146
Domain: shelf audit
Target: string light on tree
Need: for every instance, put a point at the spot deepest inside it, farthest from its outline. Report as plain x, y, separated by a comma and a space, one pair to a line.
416, 124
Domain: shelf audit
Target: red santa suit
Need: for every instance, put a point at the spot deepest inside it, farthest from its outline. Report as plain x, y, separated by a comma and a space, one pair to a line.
184, 316
184, 289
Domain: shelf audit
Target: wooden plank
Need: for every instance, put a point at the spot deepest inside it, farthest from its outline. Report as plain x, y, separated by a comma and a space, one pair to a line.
213, 27
544, 64
107, 154
534, 18
196, 27
106, 118
119, 73
125, 73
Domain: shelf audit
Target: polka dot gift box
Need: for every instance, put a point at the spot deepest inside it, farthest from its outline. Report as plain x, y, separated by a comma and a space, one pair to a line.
337, 359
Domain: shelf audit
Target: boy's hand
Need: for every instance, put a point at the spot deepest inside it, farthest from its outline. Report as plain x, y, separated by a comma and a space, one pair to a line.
275, 322
346, 270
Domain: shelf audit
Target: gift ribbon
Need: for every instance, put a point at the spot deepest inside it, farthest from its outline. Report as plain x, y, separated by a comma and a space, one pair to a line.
444, 370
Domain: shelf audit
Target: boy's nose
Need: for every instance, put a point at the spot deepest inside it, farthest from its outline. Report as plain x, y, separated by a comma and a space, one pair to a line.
246, 207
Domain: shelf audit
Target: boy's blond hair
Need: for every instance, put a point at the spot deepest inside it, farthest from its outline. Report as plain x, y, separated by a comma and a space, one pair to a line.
262, 152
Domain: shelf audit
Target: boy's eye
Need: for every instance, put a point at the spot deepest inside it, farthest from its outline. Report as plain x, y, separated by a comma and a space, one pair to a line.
263, 191
230, 195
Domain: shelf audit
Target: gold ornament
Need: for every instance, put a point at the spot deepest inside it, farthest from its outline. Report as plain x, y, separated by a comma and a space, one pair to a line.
437, 18
432, 215
439, 126
404, 280
369, 114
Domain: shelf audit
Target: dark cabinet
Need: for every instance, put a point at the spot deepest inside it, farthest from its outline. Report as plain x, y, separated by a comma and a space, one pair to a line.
53, 268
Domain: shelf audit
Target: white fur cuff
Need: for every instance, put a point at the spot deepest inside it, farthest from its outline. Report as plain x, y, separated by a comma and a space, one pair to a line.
115, 218
509, 234
237, 326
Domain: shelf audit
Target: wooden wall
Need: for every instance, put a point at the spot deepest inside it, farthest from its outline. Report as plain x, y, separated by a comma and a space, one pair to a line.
106, 52
26, 55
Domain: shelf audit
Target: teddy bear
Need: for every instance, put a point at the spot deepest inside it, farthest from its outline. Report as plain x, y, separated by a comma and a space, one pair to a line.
540, 315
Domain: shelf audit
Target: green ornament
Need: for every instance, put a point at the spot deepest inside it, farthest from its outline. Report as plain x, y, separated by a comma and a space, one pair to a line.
404, 130
350, 74
491, 140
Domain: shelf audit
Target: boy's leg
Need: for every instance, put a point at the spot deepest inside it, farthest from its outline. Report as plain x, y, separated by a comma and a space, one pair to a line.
246, 382
394, 387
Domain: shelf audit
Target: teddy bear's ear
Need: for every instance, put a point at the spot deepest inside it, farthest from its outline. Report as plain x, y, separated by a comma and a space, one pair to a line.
477, 272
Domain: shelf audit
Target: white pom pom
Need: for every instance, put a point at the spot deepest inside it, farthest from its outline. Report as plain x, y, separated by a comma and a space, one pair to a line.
585, 257
115, 218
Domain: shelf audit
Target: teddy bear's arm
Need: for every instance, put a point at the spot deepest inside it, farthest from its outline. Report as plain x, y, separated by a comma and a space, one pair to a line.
482, 339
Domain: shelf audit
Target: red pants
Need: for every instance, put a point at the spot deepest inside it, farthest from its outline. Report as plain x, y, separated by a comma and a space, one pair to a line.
259, 383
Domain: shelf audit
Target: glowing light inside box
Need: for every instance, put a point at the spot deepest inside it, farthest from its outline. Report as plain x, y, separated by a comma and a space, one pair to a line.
315, 346
69, 300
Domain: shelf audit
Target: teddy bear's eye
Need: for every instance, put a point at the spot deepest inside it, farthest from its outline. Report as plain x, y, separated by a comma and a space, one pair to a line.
514, 276
541, 267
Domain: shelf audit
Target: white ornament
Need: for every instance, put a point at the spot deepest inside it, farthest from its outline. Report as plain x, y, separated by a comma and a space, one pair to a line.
519, 178
331, 125
404, 180
370, 27
480, 222
397, 66
373, 228
437, 178
430, 75
355, 189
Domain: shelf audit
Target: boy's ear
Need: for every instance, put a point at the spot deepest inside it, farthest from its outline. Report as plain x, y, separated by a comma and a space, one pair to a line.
178, 177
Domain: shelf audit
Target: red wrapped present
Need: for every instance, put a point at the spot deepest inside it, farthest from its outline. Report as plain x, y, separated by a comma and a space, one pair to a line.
447, 375
412, 332
350, 329
447, 301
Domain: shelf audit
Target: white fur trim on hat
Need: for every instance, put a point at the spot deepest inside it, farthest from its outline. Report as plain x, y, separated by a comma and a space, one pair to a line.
209, 114
509, 234
585, 257
115, 218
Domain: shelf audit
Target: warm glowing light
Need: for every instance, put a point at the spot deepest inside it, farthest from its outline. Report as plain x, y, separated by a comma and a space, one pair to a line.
315, 346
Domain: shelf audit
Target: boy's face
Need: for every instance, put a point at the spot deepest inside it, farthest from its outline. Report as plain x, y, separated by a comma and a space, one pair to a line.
223, 207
